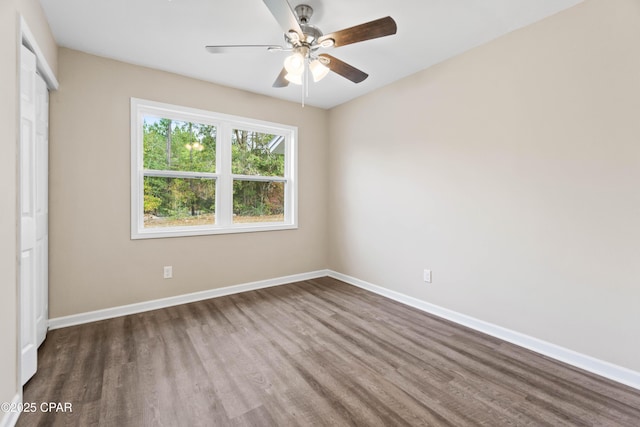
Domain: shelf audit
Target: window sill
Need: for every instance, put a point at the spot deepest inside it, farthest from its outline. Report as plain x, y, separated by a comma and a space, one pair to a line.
157, 233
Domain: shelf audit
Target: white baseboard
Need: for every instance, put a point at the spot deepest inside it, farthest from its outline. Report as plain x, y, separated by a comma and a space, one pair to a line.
9, 419
108, 313
582, 361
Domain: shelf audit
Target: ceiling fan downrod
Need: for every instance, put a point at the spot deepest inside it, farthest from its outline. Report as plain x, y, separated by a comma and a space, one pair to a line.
304, 13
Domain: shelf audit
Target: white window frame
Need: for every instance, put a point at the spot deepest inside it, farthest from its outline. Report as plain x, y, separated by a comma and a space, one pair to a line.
224, 177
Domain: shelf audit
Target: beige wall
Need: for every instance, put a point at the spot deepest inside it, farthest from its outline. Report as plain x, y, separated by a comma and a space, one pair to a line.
9, 42
512, 172
93, 262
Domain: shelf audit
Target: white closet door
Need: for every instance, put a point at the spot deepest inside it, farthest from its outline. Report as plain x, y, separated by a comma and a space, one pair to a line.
42, 209
28, 263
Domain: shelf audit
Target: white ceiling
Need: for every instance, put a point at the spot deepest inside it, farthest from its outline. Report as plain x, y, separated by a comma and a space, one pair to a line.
171, 34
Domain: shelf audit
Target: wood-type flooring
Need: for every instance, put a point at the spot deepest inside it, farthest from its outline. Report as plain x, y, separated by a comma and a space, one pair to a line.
313, 353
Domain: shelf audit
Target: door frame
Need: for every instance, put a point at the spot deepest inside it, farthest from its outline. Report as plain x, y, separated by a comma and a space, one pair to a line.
42, 66
28, 39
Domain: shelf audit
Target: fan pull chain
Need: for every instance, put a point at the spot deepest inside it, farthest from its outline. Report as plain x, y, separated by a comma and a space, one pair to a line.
304, 83
306, 78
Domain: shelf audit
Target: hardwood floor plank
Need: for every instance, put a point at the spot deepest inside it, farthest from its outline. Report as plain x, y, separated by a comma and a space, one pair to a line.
415, 380
228, 368
257, 417
115, 407
317, 352
379, 392
292, 399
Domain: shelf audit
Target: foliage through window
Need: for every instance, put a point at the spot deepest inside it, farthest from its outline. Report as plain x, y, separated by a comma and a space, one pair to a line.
196, 172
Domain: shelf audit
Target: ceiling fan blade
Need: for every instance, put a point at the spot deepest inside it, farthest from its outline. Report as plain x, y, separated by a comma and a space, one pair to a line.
370, 30
242, 48
280, 80
284, 14
345, 70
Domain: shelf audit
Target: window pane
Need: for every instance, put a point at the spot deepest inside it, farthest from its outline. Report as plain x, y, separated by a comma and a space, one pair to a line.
255, 201
180, 146
255, 153
178, 202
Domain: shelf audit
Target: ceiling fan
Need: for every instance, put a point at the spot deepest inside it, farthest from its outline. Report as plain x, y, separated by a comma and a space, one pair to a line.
305, 40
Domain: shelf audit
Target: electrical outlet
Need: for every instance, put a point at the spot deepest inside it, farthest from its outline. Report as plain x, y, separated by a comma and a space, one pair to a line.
168, 272
427, 276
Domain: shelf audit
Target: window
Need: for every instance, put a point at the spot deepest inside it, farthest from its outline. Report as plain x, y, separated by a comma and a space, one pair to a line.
196, 172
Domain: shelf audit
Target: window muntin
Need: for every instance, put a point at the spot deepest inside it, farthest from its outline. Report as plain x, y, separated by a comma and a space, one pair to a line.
196, 172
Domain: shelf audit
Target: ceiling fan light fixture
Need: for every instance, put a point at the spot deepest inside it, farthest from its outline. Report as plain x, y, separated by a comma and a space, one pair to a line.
296, 79
294, 63
318, 70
